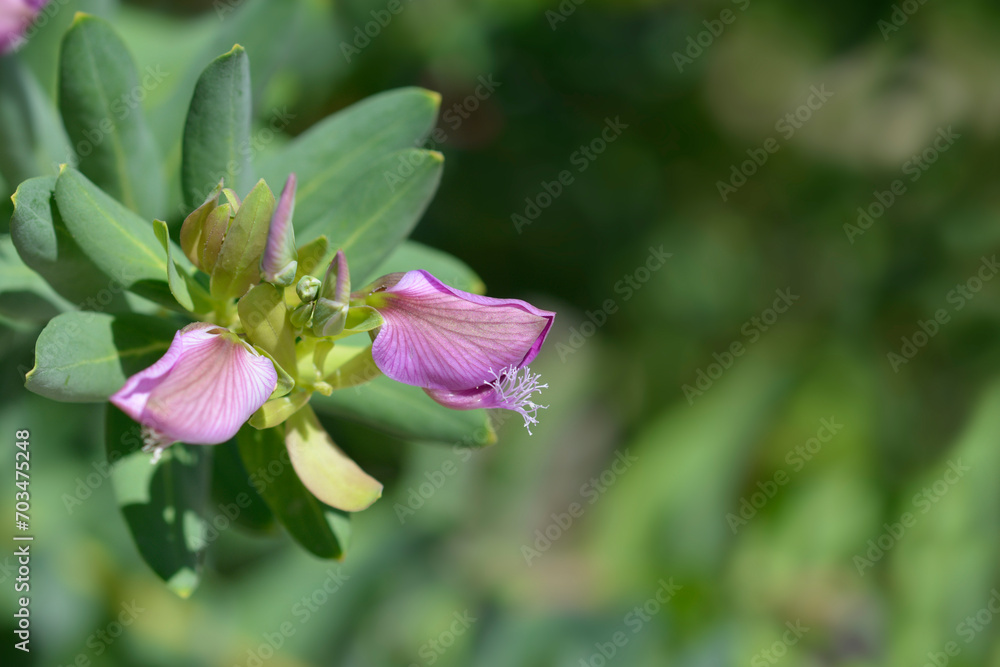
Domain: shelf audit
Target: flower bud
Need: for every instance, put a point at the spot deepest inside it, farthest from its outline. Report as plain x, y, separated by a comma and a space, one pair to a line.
280, 260
308, 288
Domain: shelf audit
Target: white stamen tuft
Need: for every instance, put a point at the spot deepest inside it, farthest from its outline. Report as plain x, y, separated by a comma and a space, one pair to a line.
514, 387
155, 442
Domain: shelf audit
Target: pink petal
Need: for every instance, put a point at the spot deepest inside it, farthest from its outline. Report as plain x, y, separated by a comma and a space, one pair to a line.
202, 390
438, 337
510, 389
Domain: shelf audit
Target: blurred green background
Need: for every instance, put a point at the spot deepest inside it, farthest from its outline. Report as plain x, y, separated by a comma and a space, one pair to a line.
812, 478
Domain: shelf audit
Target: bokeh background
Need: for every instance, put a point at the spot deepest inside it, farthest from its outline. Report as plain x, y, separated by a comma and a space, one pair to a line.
812, 500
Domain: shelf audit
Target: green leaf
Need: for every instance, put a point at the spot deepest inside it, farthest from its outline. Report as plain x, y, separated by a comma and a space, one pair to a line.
376, 212
238, 265
450, 270
217, 130
320, 529
408, 413
163, 503
45, 244
98, 99
24, 295
328, 157
86, 357
188, 292
121, 244
233, 493
31, 133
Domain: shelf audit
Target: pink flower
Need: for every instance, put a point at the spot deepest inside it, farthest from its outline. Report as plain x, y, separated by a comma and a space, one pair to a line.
15, 17
466, 351
201, 391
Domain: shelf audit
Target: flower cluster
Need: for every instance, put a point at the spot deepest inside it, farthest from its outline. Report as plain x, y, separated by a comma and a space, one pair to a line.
262, 362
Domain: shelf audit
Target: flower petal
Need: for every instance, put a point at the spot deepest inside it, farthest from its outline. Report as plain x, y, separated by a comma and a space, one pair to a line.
324, 469
438, 337
206, 386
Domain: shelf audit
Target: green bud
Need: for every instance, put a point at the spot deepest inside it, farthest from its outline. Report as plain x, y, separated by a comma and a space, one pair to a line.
330, 314
301, 316
308, 288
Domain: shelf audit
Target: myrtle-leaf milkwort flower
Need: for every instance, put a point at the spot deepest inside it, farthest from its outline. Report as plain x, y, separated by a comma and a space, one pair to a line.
465, 350
201, 391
